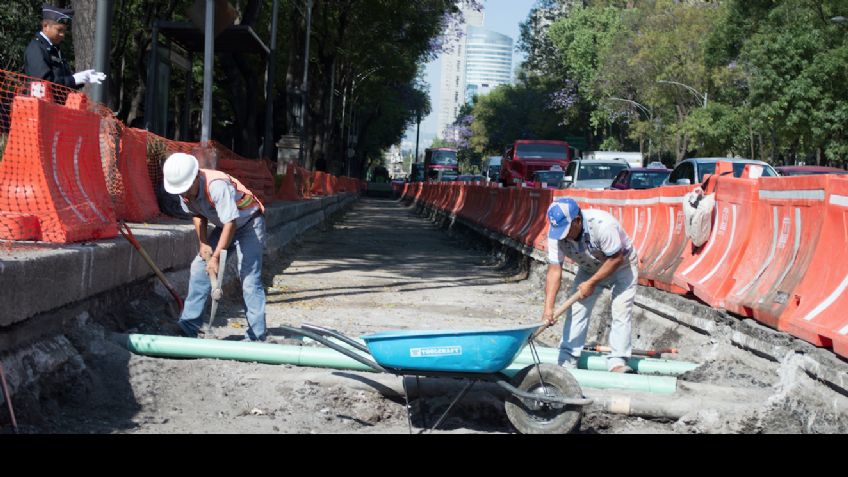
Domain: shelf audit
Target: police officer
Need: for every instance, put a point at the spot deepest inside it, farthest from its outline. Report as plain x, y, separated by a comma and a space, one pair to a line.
605, 256
42, 58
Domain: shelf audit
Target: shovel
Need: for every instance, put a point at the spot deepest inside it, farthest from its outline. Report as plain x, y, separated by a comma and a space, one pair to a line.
559, 311
125, 231
217, 283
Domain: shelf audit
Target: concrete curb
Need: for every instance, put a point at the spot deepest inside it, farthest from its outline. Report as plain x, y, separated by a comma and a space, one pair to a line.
45, 277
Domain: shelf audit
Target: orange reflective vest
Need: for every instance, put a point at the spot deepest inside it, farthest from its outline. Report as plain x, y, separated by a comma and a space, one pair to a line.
244, 198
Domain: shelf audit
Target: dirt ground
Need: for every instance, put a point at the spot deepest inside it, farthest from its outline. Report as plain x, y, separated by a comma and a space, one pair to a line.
379, 267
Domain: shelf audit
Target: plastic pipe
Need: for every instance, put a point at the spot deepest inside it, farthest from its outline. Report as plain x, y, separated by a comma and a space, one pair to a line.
598, 362
607, 380
179, 347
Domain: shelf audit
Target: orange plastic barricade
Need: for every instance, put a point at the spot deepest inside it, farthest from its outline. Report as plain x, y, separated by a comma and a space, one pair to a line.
133, 196
821, 298
517, 213
51, 168
288, 188
19, 227
708, 272
786, 231
489, 203
509, 210
319, 183
253, 174
659, 262
539, 200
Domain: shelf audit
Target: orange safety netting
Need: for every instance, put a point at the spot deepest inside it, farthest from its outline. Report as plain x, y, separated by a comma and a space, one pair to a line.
69, 169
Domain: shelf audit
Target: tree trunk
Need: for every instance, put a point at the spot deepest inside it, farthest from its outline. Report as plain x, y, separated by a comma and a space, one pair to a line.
83, 29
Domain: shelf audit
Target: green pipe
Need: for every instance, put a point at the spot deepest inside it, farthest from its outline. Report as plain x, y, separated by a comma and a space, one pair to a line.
598, 362
606, 380
179, 347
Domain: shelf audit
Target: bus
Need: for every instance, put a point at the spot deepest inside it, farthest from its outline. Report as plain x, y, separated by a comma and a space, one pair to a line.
438, 159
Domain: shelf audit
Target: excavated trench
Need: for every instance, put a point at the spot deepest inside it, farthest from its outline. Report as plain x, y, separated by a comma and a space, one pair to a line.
387, 265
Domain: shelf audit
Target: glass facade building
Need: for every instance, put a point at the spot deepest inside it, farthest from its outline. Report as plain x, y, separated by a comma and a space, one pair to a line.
488, 61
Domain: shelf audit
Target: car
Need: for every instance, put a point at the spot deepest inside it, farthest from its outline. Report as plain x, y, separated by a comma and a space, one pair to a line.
470, 178
550, 179
492, 168
640, 178
592, 173
808, 170
693, 170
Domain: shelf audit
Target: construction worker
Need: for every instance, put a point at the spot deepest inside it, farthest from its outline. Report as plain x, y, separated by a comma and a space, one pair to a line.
604, 255
213, 196
42, 58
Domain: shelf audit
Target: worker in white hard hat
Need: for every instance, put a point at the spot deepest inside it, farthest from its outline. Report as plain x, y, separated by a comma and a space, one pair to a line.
213, 196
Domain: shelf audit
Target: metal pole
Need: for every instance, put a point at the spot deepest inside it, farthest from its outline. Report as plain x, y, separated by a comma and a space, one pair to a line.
208, 66
186, 120
417, 134
150, 87
305, 87
102, 39
267, 149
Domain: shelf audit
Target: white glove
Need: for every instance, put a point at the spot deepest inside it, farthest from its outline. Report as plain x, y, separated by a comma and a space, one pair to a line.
96, 77
83, 76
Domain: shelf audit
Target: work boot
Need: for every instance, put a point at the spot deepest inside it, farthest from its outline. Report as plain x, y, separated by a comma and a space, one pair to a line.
622, 368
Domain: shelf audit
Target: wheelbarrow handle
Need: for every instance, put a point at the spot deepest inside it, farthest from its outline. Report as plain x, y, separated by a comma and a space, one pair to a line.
577, 296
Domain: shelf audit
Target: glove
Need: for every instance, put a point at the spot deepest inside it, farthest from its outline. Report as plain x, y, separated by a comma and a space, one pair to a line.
89, 77
83, 77
96, 77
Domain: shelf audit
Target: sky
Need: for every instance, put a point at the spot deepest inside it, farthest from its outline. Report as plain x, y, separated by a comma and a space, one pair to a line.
502, 16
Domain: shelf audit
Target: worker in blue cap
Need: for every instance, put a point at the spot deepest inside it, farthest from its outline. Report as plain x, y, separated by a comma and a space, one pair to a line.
42, 58
605, 256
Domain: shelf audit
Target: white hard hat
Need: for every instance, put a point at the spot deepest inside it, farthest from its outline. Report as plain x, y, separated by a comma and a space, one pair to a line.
179, 172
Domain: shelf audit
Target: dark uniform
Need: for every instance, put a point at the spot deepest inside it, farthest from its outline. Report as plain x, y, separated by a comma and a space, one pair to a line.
43, 60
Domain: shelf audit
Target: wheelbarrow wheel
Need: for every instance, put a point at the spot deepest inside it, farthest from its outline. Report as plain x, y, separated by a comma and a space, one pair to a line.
536, 417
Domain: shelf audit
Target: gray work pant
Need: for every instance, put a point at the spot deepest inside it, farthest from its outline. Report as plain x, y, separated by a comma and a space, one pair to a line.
576, 324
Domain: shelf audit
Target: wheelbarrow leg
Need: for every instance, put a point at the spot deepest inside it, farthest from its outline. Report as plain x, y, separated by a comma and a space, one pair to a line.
421, 407
456, 400
406, 400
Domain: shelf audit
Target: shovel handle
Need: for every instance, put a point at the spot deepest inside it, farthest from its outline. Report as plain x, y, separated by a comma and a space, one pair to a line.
577, 296
125, 231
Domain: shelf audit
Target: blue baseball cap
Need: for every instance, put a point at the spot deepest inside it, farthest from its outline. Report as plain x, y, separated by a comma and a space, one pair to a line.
560, 214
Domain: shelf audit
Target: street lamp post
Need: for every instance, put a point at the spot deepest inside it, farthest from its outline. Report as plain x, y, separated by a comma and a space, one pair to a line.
647, 111
691, 89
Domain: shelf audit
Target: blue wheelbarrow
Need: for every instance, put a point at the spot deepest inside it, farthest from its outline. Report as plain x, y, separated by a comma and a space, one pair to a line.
543, 398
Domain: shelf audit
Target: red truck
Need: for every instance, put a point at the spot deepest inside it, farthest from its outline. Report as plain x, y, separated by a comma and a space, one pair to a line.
527, 156
438, 161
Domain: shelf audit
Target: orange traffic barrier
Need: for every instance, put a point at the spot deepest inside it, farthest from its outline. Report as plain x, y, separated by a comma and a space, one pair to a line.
785, 232
51, 168
19, 227
288, 187
820, 299
132, 192
708, 272
658, 264
252, 173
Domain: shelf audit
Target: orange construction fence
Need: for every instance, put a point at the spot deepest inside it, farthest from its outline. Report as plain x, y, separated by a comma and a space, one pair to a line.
70, 169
